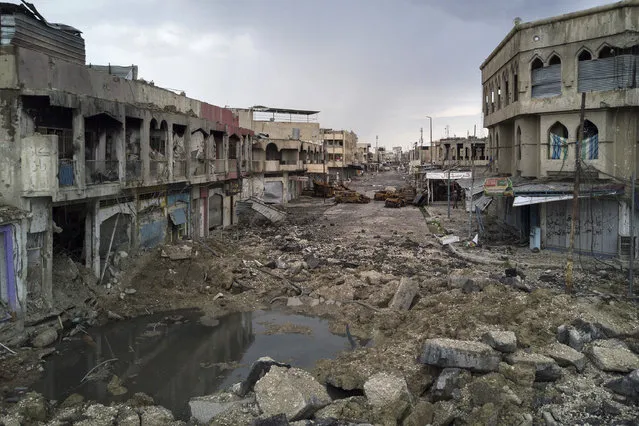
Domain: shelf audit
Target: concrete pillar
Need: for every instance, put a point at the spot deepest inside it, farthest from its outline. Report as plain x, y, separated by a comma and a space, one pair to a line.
120, 146
79, 148
187, 149
284, 188
225, 151
145, 149
88, 238
47, 261
169, 149
96, 237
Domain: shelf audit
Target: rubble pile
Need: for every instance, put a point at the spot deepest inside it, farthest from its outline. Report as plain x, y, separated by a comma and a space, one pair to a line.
436, 338
348, 196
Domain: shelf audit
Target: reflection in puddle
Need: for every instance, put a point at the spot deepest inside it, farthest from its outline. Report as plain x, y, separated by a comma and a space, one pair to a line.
173, 358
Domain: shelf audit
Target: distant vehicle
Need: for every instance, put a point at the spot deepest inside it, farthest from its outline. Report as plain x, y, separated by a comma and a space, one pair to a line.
386, 168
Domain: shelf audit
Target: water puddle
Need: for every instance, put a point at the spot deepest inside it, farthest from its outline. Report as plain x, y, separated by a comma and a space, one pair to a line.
172, 357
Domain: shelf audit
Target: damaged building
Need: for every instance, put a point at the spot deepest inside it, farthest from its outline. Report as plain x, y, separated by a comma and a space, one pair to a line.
532, 92
94, 160
287, 152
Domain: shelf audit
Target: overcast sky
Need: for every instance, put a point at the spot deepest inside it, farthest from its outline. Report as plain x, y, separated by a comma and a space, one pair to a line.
376, 67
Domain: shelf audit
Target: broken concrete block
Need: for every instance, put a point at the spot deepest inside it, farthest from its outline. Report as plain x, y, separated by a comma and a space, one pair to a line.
565, 356
614, 359
371, 277
404, 295
503, 341
155, 416
474, 356
294, 301
546, 369
258, 370
177, 252
383, 390
293, 392
206, 408
45, 338
626, 386
449, 383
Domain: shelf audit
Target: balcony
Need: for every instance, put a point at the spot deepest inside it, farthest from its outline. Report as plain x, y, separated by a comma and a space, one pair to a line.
272, 166
219, 166
257, 166
101, 171
179, 169
66, 172
159, 169
133, 170
315, 168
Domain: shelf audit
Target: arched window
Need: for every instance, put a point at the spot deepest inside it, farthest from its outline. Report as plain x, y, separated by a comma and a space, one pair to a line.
557, 142
545, 81
536, 64
554, 60
272, 153
606, 52
515, 87
584, 55
518, 143
506, 90
590, 143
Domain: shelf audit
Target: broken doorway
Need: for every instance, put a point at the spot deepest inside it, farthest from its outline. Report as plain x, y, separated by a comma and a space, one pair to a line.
69, 231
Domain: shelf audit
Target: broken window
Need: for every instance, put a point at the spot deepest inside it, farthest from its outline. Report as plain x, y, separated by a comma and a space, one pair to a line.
557, 142
133, 138
179, 149
614, 69
498, 97
584, 56
515, 88
100, 135
272, 153
157, 154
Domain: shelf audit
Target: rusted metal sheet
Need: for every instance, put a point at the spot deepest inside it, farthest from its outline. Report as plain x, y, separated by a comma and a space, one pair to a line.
227, 121
21, 30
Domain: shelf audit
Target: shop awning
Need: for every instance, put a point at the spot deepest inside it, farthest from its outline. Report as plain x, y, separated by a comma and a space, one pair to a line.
178, 217
522, 200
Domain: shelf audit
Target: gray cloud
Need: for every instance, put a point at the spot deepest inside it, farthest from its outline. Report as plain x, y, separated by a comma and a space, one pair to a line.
377, 67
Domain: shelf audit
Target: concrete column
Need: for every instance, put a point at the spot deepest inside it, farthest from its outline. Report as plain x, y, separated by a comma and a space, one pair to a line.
226, 151
284, 188
88, 238
169, 149
120, 146
96, 237
145, 149
187, 149
79, 148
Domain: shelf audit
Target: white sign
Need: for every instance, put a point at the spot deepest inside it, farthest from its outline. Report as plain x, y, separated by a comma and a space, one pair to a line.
444, 175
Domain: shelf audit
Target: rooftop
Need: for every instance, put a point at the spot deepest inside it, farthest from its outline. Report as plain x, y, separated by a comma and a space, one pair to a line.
556, 19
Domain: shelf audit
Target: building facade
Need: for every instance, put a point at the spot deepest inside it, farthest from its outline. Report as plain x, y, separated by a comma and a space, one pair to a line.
101, 163
341, 147
533, 84
287, 152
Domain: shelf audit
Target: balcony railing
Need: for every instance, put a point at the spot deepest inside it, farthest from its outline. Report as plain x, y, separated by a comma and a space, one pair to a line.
272, 166
159, 169
199, 167
101, 171
257, 166
133, 170
66, 172
179, 168
232, 165
220, 166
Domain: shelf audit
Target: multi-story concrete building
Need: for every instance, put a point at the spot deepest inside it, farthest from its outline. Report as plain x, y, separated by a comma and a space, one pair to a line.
287, 152
533, 84
460, 152
363, 155
341, 146
91, 162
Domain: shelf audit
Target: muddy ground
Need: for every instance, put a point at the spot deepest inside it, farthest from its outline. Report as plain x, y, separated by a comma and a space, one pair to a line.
345, 262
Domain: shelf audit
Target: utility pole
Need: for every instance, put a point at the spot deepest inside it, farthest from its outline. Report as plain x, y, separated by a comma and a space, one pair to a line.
631, 262
377, 152
472, 188
448, 186
575, 197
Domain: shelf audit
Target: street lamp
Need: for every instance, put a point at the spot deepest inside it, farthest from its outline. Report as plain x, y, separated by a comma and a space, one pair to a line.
430, 119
